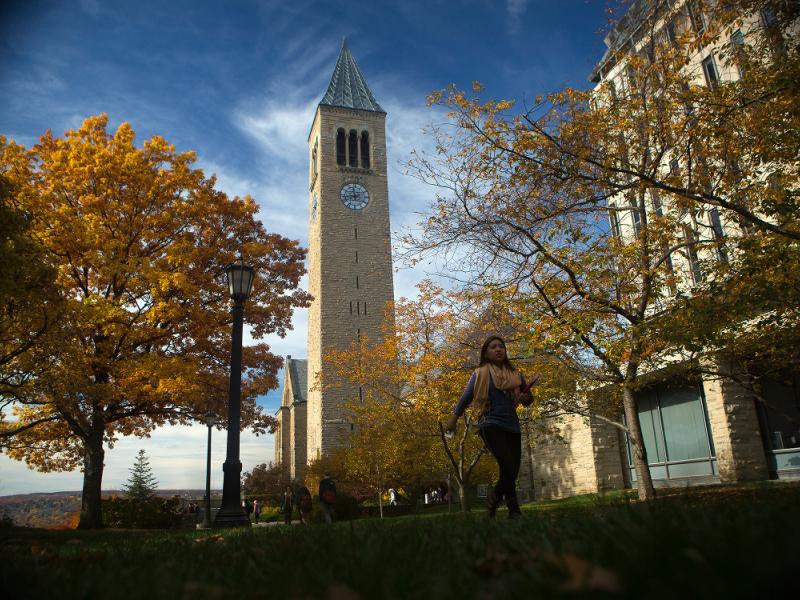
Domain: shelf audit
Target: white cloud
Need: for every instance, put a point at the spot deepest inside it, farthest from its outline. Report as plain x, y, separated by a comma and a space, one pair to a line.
281, 129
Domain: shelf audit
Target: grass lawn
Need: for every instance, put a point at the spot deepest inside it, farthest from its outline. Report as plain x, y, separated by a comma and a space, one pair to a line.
722, 542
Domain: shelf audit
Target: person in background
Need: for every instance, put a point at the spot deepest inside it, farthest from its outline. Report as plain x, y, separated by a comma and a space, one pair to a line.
327, 497
304, 504
287, 505
494, 390
256, 510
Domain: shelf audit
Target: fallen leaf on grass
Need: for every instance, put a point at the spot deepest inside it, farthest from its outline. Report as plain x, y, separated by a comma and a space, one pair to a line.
494, 563
583, 575
210, 538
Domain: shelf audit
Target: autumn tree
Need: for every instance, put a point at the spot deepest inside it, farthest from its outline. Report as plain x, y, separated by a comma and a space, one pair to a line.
413, 378
141, 484
525, 195
138, 240
30, 303
266, 480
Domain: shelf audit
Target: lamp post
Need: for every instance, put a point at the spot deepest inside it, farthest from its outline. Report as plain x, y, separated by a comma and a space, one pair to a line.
231, 514
211, 420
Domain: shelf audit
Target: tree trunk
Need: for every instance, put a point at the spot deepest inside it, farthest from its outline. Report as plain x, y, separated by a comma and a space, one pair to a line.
462, 496
644, 482
91, 499
380, 502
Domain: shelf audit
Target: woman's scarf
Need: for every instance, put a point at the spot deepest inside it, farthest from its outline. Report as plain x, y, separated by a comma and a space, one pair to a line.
503, 378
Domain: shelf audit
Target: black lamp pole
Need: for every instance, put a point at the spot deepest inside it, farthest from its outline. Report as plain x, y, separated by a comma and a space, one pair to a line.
231, 513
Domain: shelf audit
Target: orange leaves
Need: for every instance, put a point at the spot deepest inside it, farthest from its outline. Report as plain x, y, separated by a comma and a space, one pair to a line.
139, 240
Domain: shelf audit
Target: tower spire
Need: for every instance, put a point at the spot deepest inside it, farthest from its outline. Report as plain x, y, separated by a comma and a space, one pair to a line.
348, 88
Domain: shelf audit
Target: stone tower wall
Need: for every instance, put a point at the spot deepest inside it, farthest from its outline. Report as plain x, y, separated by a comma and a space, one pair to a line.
349, 265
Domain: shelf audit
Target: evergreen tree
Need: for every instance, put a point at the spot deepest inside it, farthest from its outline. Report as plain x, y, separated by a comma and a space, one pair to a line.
142, 483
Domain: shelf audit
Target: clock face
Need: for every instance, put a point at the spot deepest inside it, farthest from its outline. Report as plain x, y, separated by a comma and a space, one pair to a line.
355, 196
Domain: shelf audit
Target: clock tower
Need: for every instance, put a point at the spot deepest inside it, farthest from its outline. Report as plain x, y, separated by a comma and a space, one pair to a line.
349, 246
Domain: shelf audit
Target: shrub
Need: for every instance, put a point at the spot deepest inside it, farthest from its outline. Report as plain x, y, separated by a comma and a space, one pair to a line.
345, 509
152, 513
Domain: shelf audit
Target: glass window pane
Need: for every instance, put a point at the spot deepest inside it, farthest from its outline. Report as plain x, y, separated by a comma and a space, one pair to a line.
651, 427
783, 413
685, 428
694, 469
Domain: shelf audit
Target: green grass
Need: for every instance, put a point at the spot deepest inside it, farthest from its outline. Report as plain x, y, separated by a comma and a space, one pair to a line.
738, 542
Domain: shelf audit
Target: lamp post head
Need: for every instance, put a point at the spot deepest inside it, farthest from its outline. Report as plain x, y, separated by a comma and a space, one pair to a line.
211, 419
240, 280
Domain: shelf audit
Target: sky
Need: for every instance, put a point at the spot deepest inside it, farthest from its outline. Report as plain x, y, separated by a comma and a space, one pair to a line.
238, 82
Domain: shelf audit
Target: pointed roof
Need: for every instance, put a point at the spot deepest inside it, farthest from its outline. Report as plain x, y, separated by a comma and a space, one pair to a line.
348, 88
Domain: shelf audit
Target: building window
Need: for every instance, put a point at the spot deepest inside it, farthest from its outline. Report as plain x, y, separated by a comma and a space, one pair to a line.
365, 308
356, 257
691, 254
341, 154
768, 17
365, 149
710, 71
636, 215
314, 169
352, 148
771, 27
356, 232
356, 281
696, 17
670, 273
676, 432
658, 207
351, 307
669, 33
719, 235
614, 221
737, 45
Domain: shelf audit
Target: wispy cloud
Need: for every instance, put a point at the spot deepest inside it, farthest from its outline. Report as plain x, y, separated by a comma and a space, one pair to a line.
515, 9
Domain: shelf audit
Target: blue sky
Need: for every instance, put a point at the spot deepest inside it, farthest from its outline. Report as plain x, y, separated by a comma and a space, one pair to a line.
238, 82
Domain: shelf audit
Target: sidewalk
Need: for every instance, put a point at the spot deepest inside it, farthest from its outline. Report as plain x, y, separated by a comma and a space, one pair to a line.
275, 524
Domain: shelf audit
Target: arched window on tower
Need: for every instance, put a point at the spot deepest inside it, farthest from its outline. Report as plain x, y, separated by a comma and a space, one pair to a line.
314, 168
341, 154
365, 149
352, 148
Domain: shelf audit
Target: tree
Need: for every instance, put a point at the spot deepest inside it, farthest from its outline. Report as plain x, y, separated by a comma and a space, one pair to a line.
412, 379
30, 304
266, 480
142, 484
139, 240
524, 197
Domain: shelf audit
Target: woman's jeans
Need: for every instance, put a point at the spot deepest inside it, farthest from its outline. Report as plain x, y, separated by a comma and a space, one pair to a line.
506, 447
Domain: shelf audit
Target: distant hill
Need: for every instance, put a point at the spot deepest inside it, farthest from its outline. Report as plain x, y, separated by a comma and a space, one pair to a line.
61, 509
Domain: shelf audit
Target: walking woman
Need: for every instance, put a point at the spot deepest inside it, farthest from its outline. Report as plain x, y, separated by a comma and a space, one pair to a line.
495, 389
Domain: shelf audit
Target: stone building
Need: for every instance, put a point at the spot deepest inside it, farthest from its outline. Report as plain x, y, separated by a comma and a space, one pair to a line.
290, 438
349, 253
695, 431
